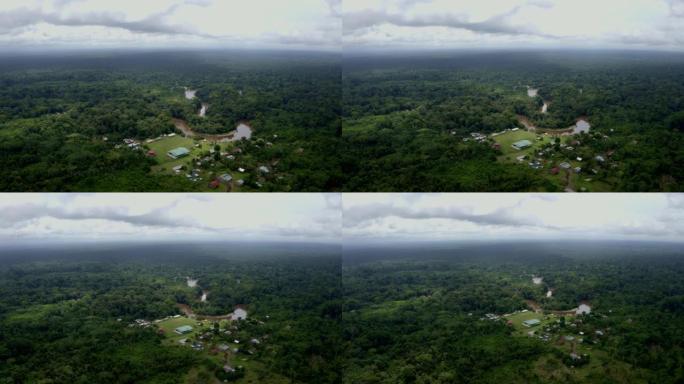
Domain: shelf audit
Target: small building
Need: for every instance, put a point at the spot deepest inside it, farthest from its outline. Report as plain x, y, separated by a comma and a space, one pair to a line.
264, 169
182, 330
522, 144
600, 159
531, 323
178, 153
151, 153
225, 178
228, 369
565, 165
214, 184
555, 170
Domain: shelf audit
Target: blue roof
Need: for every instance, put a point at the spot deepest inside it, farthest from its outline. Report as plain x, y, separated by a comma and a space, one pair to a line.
179, 152
522, 144
184, 329
531, 322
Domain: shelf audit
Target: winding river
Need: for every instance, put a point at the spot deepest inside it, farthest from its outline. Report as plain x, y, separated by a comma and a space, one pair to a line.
582, 125
242, 131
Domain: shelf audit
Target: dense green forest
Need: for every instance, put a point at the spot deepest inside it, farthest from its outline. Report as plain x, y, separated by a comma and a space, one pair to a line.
452, 313
408, 120
69, 315
63, 118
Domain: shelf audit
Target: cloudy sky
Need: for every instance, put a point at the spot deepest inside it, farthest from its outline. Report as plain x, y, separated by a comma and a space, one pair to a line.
402, 24
299, 24
384, 217
151, 217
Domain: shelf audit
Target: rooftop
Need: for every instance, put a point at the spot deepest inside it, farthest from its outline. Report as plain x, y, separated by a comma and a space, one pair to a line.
179, 152
522, 144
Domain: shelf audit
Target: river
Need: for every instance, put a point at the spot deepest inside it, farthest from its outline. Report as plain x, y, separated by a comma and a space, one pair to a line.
190, 93
243, 130
238, 314
582, 125
583, 309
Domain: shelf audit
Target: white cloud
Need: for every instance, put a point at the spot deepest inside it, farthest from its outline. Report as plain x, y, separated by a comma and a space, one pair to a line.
309, 217
506, 23
512, 216
194, 23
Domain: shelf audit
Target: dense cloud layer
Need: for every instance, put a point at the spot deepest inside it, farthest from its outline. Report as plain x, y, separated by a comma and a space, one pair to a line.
310, 24
510, 23
513, 216
130, 217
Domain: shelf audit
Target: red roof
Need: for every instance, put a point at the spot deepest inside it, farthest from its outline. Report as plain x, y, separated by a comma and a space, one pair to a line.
554, 171
151, 153
214, 184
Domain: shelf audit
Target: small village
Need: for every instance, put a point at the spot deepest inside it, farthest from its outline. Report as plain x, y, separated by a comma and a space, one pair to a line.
215, 162
571, 331
230, 340
569, 160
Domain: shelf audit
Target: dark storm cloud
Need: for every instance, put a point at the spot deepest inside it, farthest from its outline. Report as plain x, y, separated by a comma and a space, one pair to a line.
676, 7
361, 214
498, 24
335, 7
154, 24
21, 213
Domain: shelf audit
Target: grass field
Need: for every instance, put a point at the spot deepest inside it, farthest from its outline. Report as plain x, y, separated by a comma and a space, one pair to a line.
255, 372
518, 318
507, 139
171, 324
165, 164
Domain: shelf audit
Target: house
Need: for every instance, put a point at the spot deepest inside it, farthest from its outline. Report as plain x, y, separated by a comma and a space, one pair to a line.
214, 184
578, 169
182, 330
178, 153
555, 170
240, 183
264, 169
151, 153
531, 323
496, 146
522, 144
228, 369
223, 347
600, 159
565, 165
225, 178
